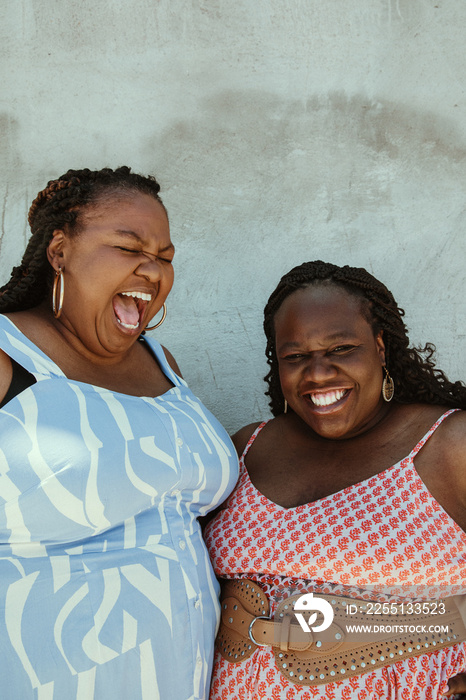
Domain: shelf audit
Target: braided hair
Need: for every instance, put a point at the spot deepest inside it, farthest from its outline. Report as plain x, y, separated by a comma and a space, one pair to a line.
412, 369
60, 206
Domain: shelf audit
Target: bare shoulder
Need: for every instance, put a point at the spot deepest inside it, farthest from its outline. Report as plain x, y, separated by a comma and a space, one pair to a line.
172, 362
443, 466
448, 442
453, 435
6, 372
240, 439
272, 434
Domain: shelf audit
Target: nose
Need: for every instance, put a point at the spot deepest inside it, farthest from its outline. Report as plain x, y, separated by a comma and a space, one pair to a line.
320, 369
150, 268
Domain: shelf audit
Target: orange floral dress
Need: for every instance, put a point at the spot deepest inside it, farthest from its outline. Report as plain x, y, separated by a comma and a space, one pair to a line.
387, 532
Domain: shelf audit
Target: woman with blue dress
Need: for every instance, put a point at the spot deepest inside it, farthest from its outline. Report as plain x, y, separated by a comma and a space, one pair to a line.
106, 459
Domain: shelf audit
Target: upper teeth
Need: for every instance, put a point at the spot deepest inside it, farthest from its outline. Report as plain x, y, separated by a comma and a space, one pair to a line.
328, 398
137, 295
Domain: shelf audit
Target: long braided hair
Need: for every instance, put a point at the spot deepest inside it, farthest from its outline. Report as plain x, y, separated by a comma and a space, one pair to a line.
412, 369
59, 206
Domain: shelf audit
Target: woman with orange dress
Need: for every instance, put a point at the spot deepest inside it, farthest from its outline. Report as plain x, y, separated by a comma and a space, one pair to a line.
354, 491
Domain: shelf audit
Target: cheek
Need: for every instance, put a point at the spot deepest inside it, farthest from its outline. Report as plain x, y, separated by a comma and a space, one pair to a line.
286, 377
168, 280
281, 376
374, 380
378, 377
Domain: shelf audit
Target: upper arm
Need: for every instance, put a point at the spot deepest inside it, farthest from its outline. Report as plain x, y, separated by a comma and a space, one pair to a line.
172, 362
455, 450
6, 373
442, 466
240, 439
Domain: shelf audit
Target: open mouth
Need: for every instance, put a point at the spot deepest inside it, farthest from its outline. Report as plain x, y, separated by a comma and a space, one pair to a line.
325, 399
129, 308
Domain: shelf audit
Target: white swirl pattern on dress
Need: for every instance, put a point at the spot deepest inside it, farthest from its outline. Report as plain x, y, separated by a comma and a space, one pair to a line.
106, 586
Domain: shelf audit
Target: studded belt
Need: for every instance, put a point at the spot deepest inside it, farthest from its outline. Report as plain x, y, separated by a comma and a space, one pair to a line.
308, 656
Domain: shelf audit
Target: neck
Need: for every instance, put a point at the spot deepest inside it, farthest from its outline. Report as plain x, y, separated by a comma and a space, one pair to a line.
383, 415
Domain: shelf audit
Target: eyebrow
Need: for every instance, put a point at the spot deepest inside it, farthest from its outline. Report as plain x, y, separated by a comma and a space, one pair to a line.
338, 335
135, 236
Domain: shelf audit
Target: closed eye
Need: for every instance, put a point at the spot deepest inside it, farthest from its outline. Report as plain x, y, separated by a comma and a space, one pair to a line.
134, 251
342, 349
127, 250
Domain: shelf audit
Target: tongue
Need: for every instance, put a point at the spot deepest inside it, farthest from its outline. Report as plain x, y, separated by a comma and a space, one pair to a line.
126, 310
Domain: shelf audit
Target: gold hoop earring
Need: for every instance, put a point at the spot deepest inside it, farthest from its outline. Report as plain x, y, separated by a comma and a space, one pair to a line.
285, 408
58, 290
151, 328
388, 387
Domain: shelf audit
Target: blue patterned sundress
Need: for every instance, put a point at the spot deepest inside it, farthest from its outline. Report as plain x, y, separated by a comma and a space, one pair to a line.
106, 588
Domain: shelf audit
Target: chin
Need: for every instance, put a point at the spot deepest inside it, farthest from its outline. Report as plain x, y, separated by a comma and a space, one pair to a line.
329, 431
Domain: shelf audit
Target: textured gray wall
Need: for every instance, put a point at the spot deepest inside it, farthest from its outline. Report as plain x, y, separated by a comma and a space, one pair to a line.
280, 130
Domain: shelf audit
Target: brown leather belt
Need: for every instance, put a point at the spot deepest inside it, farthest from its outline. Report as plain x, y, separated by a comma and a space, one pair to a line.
318, 657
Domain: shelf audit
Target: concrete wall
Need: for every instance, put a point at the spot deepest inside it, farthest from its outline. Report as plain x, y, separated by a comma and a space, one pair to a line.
280, 130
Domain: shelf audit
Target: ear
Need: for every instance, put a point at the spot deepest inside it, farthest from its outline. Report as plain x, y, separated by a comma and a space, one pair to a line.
55, 249
380, 347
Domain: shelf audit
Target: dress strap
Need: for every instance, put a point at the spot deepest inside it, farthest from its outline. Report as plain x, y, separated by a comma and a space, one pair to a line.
19, 348
431, 431
252, 438
159, 354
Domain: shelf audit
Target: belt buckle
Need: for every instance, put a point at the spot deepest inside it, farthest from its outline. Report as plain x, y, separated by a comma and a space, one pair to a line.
259, 617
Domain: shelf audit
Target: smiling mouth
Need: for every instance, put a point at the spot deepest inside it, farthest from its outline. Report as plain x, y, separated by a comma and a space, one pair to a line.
129, 308
324, 399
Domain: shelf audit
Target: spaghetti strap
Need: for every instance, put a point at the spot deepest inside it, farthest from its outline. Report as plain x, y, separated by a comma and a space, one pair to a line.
430, 432
252, 438
411, 455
